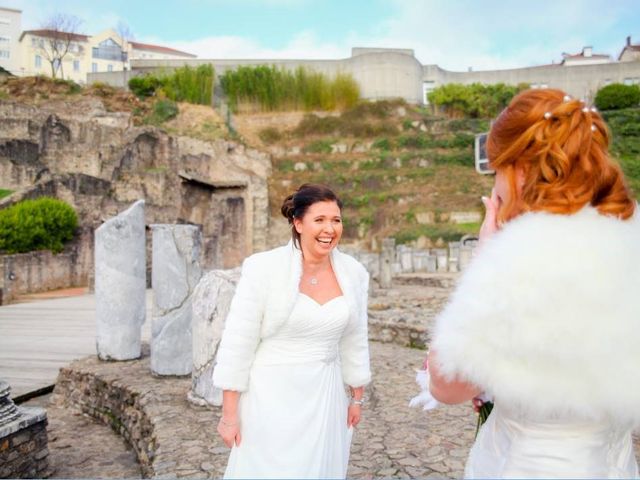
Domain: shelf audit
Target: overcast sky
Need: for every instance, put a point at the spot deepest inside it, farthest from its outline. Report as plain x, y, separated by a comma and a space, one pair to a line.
455, 34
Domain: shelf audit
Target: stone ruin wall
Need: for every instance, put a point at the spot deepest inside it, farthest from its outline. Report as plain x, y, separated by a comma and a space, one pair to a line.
100, 163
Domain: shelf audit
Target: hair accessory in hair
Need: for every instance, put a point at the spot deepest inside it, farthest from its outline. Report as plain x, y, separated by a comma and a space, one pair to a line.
593, 128
547, 115
585, 109
594, 109
566, 98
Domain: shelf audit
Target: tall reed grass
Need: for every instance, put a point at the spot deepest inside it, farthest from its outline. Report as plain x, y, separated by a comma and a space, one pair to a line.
265, 88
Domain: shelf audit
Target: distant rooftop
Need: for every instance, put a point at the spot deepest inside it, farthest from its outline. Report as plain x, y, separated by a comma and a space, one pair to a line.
159, 49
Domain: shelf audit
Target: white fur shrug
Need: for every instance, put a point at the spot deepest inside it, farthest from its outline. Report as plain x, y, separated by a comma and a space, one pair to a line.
547, 317
264, 298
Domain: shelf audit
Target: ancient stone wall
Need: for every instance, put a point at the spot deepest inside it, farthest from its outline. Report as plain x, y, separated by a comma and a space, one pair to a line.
98, 162
41, 271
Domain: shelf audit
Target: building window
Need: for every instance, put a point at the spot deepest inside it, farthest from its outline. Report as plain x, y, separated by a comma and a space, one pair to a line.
94, 67
4, 39
108, 50
5, 21
56, 64
38, 61
76, 65
109, 68
5, 54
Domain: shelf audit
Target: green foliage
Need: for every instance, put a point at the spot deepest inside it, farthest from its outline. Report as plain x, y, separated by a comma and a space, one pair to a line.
344, 125
5, 193
319, 146
476, 100
270, 135
617, 96
445, 231
272, 89
41, 224
163, 110
184, 84
192, 85
625, 131
72, 87
383, 144
144, 86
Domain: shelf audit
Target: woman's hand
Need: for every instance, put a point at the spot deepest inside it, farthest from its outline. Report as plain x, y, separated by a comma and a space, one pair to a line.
353, 415
490, 223
229, 430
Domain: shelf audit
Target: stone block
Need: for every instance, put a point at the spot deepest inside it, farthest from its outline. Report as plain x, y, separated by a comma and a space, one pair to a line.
211, 301
120, 283
175, 274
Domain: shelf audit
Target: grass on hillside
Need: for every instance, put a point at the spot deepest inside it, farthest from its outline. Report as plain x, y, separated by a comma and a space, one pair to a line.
5, 193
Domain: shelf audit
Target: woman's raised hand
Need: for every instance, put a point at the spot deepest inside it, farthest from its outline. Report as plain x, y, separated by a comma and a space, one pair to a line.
229, 430
490, 223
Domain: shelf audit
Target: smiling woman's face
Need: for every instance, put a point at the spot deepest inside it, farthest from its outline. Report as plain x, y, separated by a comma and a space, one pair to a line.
320, 228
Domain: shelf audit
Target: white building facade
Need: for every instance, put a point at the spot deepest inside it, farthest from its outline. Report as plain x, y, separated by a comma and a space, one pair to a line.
10, 28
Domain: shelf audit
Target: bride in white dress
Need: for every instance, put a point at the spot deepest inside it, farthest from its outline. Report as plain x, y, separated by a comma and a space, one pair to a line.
546, 319
295, 334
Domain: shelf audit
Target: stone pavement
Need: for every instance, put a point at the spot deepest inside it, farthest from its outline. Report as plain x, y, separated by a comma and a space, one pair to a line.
391, 441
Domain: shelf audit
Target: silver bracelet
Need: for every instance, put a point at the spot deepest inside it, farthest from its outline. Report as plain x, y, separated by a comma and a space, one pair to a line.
357, 402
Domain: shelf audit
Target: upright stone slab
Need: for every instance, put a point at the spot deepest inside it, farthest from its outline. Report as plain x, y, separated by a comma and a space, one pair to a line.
442, 259
211, 302
174, 276
386, 262
420, 261
120, 283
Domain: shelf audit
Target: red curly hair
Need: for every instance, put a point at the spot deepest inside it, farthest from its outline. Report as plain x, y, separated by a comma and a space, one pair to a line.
562, 148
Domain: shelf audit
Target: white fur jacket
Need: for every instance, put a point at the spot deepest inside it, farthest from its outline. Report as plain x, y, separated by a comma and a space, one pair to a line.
547, 318
264, 299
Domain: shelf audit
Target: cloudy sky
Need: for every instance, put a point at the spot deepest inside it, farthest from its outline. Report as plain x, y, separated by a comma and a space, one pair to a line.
455, 34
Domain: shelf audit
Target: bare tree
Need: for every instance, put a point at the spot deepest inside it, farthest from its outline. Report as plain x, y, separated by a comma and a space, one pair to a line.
61, 35
126, 35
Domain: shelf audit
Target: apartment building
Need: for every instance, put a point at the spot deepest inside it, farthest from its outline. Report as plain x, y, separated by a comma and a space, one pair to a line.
10, 28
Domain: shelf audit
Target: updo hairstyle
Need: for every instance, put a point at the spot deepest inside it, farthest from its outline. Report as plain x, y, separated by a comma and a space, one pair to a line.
297, 204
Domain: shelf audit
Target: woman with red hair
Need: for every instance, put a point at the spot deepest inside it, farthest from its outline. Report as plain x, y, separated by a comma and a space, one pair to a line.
546, 320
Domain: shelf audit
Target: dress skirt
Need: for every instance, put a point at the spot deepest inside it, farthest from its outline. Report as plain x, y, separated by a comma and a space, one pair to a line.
294, 414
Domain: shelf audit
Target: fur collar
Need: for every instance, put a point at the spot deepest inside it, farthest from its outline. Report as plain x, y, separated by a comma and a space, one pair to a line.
547, 317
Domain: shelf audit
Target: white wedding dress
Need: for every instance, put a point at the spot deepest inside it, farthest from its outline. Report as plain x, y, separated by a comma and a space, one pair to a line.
512, 446
294, 414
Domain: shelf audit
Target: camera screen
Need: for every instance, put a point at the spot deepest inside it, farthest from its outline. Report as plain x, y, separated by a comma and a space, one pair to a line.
482, 161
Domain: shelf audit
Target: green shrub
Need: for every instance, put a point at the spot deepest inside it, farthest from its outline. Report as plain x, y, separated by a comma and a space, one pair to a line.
270, 135
319, 146
163, 110
41, 224
144, 86
475, 100
617, 96
382, 144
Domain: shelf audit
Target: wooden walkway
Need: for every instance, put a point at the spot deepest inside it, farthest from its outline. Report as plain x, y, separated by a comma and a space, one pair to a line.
39, 337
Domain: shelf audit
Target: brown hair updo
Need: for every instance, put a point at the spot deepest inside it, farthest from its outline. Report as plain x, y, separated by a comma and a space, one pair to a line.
562, 146
297, 204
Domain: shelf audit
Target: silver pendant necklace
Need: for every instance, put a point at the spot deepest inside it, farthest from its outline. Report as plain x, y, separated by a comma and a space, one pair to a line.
313, 281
